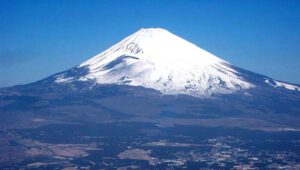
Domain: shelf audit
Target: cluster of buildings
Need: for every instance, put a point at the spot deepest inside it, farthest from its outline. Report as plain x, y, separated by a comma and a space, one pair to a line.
229, 152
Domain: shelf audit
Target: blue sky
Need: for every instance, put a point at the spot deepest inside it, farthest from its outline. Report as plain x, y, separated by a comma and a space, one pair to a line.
40, 38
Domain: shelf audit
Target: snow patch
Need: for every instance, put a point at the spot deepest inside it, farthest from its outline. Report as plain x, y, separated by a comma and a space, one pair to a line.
276, 84
63, 79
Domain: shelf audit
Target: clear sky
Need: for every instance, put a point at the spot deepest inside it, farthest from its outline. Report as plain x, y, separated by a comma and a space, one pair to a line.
39, 38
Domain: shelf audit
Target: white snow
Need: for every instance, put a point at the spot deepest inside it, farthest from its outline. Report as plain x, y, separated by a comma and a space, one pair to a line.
283, 85
63, 79
155, 58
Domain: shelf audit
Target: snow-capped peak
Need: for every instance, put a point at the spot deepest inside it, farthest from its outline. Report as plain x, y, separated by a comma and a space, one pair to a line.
159, 46
155, 58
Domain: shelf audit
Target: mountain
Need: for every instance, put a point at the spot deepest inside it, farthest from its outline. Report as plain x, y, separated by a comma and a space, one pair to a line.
152, 101
157, 59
